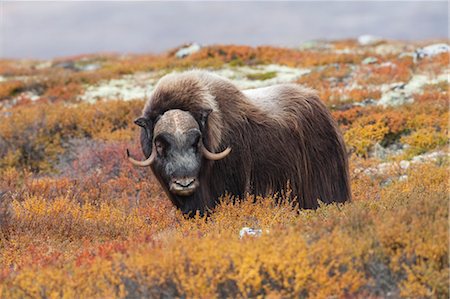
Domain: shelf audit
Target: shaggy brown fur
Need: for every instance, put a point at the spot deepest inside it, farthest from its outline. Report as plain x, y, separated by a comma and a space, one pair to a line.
277, 135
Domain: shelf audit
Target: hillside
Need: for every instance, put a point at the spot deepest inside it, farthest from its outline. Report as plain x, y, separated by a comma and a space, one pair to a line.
77, 220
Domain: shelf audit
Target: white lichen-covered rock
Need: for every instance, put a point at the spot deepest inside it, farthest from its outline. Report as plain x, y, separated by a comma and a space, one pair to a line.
397, 94
432, 50
44, 65
253, 232
395, 97
369, 60
241, 76
188, 50
403, 178
391, 48
365, 103
129, 87
30, 95
368, 40
385, 167
316, 45
382, 152
248, 231
433, 156
404, 164
89, 67
140, 85
20, 98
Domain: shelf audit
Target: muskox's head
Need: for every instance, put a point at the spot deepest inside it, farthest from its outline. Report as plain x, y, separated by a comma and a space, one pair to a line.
175, 150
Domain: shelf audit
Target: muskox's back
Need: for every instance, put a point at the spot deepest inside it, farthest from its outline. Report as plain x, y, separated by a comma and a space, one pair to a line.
296, 140
283, 102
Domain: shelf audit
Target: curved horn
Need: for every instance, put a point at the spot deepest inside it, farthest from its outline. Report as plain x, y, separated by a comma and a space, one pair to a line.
212, 156
142, 163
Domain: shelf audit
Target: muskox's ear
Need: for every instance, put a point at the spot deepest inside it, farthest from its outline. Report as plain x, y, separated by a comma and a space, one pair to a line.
141, 122
146, 134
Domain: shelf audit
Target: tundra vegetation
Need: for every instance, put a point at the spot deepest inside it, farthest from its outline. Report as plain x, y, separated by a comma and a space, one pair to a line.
77, 220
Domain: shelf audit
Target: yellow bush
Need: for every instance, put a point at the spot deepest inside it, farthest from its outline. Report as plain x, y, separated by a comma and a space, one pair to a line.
361, 138
423, 140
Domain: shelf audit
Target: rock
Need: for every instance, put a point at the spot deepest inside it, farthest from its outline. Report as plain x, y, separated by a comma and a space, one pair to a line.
386, 182
365, 103
188, 50
433, 156
382, 152
383, 168
395, 98
344, 107
308, 45
403, 178
404, 164
369, 60
89, 67
30, 95
432, 50
315, 45
247, 231
77, 67
44, 65
368, 40
389, 48
128, 87
407, 54
68, 65
241, 75
397, 94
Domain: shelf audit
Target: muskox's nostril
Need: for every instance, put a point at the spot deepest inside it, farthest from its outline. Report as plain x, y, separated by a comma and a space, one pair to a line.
184, 182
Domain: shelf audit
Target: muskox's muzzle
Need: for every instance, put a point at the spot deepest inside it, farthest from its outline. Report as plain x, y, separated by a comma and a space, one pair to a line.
183, 186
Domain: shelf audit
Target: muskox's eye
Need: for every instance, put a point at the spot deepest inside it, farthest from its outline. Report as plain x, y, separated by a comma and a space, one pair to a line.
160, 148
196, 140
163, 143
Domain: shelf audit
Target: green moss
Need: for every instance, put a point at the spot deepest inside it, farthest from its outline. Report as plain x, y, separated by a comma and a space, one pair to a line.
236, 62
262, 76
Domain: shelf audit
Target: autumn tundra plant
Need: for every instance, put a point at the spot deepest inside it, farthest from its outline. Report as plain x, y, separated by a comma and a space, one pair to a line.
77, 220
266, 138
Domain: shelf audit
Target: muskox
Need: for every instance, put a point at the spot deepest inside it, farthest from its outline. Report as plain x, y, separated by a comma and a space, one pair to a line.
203, 137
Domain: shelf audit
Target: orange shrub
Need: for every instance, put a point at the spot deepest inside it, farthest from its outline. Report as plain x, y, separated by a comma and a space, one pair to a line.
390, 72
34, 136
361, 94
10, 88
